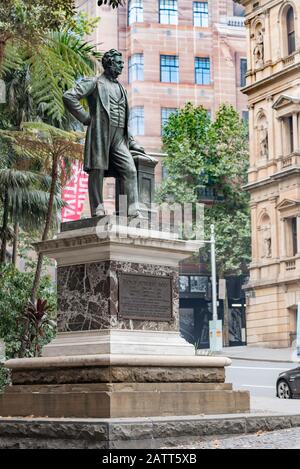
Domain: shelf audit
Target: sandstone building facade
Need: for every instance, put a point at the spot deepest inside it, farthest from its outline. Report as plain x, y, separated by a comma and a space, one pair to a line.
273, 89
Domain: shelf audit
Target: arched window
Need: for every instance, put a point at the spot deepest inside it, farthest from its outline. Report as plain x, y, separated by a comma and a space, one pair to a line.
290, 25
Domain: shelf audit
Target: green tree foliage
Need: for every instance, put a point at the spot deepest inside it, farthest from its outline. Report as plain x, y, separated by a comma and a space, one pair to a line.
112, 3
211, 155
56, 149
37, 71
82, 25
24, 196
15, 289
29, 20
41, 75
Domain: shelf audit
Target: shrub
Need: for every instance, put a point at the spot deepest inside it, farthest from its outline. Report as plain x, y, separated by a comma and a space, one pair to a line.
24, 329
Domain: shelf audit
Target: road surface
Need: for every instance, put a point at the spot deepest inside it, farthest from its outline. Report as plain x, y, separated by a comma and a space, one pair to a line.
260, 379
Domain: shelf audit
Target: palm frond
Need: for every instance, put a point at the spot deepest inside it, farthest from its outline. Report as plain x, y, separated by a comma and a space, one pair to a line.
61, 60
13, 59
14, 179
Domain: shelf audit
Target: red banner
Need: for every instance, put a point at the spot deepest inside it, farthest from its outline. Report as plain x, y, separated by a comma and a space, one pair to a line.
74, 194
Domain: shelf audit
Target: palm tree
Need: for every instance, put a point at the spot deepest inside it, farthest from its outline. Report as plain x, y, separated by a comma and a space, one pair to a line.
54, 148
27, 198
42, 75
63, 59
47, 72
36, 81
19, 108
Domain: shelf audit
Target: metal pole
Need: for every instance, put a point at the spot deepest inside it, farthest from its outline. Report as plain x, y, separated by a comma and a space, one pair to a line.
213, 272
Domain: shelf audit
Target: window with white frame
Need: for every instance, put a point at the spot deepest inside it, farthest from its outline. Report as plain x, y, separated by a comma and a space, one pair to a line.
136, 68
135, 11
168, 12
137, 120
200, 10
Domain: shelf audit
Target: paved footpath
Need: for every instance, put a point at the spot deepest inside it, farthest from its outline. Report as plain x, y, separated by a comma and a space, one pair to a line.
261, 354
282, 439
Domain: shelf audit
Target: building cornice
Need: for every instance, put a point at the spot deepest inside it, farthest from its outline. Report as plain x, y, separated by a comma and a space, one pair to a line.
270, 283
260, 10
286, 172
258, 184
270, 79
273, 178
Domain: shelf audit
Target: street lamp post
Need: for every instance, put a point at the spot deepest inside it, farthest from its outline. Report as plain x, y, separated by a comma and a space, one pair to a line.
215, 326
213, 272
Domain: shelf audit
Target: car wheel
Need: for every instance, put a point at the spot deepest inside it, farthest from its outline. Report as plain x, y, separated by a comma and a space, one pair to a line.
283, 390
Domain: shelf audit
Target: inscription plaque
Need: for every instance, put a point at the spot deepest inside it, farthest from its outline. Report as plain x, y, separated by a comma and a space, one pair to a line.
145, 297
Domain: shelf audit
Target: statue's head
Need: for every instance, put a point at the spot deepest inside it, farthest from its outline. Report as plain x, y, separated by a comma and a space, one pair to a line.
113, 63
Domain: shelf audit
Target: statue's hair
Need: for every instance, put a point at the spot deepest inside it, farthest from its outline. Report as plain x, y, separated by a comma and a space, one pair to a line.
108, 56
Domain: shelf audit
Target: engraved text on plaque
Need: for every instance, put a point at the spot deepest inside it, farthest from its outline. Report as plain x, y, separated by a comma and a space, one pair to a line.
145, 297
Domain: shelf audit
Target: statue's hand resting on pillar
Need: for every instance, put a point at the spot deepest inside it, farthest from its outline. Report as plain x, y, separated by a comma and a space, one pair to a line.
135, 147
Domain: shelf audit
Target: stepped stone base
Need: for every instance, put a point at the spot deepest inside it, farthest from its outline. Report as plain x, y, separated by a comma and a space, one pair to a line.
138, 433
118, 400
107, 386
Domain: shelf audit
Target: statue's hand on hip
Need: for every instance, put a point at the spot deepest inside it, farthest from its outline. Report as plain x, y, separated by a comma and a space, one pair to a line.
88, 120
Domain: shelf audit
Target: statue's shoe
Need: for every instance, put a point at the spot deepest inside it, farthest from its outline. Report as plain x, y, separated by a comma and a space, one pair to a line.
136, 215
99, 213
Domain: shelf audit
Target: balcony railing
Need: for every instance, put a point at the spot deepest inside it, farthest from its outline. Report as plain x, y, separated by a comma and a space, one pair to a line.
206, 194
290, 160
236, 21
289, 60
290, 265
287, 161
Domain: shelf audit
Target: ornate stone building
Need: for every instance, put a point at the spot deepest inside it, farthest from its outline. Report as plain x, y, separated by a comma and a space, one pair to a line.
273, 89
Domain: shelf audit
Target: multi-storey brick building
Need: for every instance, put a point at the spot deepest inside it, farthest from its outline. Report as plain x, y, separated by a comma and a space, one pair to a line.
273, 88
175, 51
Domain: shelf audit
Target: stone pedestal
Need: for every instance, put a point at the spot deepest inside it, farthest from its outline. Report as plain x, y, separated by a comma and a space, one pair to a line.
118, 352
108, 386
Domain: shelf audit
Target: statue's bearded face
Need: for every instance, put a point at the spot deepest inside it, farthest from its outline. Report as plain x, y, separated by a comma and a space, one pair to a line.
116, 67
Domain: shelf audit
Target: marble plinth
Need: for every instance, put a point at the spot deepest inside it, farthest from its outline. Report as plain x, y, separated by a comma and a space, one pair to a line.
88, 296
90, 259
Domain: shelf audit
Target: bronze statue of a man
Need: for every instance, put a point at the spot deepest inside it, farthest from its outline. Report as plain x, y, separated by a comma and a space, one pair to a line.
108, 141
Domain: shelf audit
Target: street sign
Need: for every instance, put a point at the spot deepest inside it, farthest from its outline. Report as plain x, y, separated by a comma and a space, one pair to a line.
215, 336
222, 289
